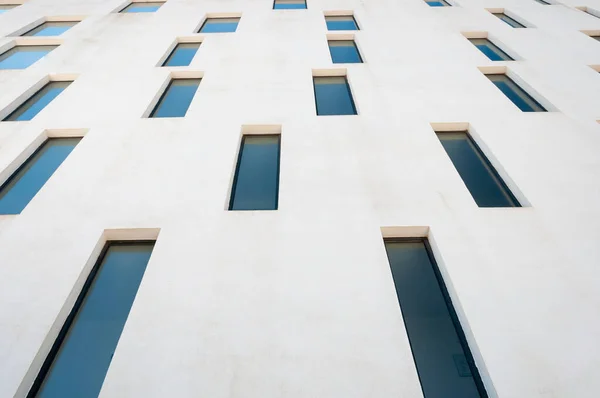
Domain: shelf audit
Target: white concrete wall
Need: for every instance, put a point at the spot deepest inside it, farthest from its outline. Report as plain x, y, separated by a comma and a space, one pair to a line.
300, 302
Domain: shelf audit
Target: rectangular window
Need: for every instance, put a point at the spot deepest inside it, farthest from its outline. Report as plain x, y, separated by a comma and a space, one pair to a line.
182, 54
80, 357
25, 183
508, 20
220, 25
492, 51
256, 181
476, 171
7, 7
136, 7
20, 57
344, 52
38, 101
176, 99
437, 3
516, 94
289, 4
333, 96
50, 29
442, 356
341, 22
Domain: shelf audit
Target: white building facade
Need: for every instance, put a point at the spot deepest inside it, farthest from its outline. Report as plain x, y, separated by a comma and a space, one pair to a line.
300, 301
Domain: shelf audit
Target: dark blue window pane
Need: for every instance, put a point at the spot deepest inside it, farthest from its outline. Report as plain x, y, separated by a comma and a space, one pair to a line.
442, 357
490, 50
25, 183
480, 177
176, 99
438, 3
516, 94
289, 5
142, 7
20, 57
220, 25
508, 20
51, 29
333, 96
344, 52
93, 329
182, 55
38, 101
256, 182
341, 23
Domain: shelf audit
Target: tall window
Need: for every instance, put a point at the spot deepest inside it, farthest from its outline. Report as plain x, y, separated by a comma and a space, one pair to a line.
52, 28
80, 357
333, 96
20, 57
137, 7
344, 52
442, 356
508, 20
182, 54
341, 22
492, 51
437, 3
289, 4
220, 25
256, 181
38, 101
176, 99
516, 94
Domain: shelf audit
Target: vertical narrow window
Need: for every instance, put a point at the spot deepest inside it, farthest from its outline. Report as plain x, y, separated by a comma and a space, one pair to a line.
508, 20
516, 94
478, 174
38, 101
25, 183
79, 359
140, 6
289, 4
176, 99
344, 52
492, 51
333, 96
51, 28
220, 25
437, 3
256, 181
443, 359
20, 57
182, 54
341, 22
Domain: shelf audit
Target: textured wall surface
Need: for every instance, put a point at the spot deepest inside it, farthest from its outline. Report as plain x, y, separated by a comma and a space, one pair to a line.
300, 302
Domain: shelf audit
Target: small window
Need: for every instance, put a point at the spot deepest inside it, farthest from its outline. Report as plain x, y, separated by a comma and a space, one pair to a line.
136, 7
333, 96
25, 183
516, 94
289, 4
51, 28
7, 7
341, 22
478, 174
38, 101
177, 98
490, 50
256, 181
508, 20
182, 54
344, 52
437, 3
220, 25
440, 350
81, 354
20, 57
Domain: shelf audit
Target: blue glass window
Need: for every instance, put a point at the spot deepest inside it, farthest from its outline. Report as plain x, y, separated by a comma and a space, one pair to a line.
289, 4
442, 356
480, 177
333, 96
344, 52
256, 182
219, 25
516, 94
25, 183
81, 355
50, 29
508, 20
182, 54
176, 99
37, 101
20, 57
342, 22
492, 51
142, 7
7, 7
437, 3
